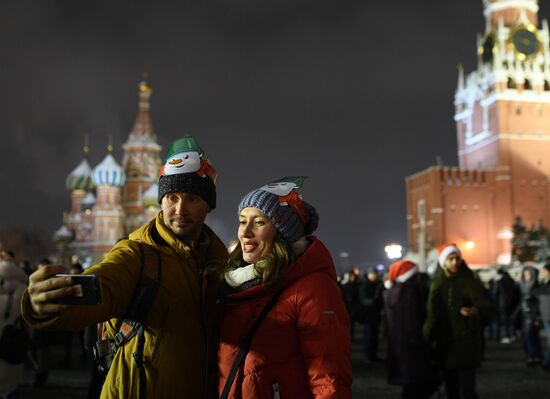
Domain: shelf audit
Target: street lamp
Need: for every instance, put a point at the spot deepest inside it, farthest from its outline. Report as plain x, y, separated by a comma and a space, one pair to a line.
394, 251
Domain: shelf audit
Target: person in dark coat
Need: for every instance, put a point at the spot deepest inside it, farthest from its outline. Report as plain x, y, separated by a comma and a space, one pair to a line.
529, 310
409, 362
349, 285
458, 307
506, 296
370, 297
542, 292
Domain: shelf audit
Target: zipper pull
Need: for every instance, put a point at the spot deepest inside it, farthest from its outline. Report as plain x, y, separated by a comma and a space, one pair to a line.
276, 394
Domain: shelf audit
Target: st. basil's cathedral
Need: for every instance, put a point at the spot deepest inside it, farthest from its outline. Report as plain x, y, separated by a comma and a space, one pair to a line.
111, 200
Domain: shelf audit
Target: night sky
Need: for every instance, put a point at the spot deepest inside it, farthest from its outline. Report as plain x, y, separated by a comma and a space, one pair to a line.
355, 94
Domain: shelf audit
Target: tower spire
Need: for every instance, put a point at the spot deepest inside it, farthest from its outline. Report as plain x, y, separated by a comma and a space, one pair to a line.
86, 147
110, 144
141, 161
142, 130
144, 91
460, 80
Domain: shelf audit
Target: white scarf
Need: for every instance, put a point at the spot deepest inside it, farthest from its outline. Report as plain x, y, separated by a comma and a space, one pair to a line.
241, 275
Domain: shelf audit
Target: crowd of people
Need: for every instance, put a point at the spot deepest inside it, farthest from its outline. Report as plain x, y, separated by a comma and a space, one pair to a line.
14, 277
436, 326
181, 315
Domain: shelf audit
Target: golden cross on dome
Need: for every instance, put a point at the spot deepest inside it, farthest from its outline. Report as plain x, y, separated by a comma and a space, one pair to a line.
86, 148
143, 85
110, 145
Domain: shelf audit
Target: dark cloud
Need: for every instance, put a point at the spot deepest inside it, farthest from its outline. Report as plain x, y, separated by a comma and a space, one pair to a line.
355, 94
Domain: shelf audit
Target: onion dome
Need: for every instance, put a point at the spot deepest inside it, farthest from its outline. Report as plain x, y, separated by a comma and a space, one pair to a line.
80, 178
108, 173
150, 197
88, 201
63, 235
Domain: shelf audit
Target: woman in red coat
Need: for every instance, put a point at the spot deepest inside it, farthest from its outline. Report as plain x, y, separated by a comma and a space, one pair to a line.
301, 348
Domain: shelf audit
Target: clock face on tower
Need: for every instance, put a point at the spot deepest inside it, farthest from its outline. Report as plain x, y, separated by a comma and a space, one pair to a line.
525, 41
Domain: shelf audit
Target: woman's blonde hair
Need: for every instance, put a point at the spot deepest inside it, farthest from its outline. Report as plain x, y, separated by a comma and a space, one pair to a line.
271, 266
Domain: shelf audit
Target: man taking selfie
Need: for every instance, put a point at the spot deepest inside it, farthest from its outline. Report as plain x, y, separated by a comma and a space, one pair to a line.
168, 356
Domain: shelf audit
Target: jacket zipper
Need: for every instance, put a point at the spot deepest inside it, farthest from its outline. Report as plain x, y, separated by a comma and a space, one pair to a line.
200, 277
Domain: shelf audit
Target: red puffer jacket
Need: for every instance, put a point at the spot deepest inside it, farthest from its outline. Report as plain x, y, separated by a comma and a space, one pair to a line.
302, 346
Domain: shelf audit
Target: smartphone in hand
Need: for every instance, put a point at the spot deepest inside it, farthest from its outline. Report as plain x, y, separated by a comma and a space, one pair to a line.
86, 290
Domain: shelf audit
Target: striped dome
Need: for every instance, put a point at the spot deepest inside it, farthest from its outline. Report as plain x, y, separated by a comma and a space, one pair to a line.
108, 173
150, 196
80, 178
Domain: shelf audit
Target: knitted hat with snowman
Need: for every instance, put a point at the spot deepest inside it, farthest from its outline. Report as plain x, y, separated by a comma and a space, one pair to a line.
280, 202
185, 171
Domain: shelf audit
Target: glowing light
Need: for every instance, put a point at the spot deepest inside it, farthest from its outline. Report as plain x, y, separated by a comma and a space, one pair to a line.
394, 251
470, 245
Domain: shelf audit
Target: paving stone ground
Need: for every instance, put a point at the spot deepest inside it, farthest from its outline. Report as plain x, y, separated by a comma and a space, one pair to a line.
504, 375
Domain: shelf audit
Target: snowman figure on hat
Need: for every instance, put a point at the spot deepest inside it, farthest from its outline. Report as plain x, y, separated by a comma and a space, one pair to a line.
185, 156
285, 189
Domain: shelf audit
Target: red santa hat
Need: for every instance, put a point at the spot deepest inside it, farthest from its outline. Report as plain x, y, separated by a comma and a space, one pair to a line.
445, 250
401, 271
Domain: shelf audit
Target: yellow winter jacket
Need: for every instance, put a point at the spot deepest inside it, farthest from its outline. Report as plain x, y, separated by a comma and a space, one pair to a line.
180, 328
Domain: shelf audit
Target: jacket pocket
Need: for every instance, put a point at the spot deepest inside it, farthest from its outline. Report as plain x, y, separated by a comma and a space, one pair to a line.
276, 390
154, 335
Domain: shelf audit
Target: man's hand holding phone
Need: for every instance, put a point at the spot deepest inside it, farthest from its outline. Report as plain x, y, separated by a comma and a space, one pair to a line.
51, 294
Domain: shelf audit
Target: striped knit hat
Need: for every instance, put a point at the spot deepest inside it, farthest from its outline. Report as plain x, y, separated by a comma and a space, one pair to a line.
291, 216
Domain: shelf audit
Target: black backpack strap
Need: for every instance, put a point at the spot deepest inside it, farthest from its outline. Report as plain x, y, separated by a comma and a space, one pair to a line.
147, 286
140, 305
146, 292
245, 344
132, 323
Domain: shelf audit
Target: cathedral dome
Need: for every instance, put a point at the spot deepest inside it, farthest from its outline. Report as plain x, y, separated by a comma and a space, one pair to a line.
63, 235
80, 178
108, 173
88, 201
150, 196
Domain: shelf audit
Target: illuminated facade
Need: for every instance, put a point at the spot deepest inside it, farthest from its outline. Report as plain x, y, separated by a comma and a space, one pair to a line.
111, 200
502, 115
